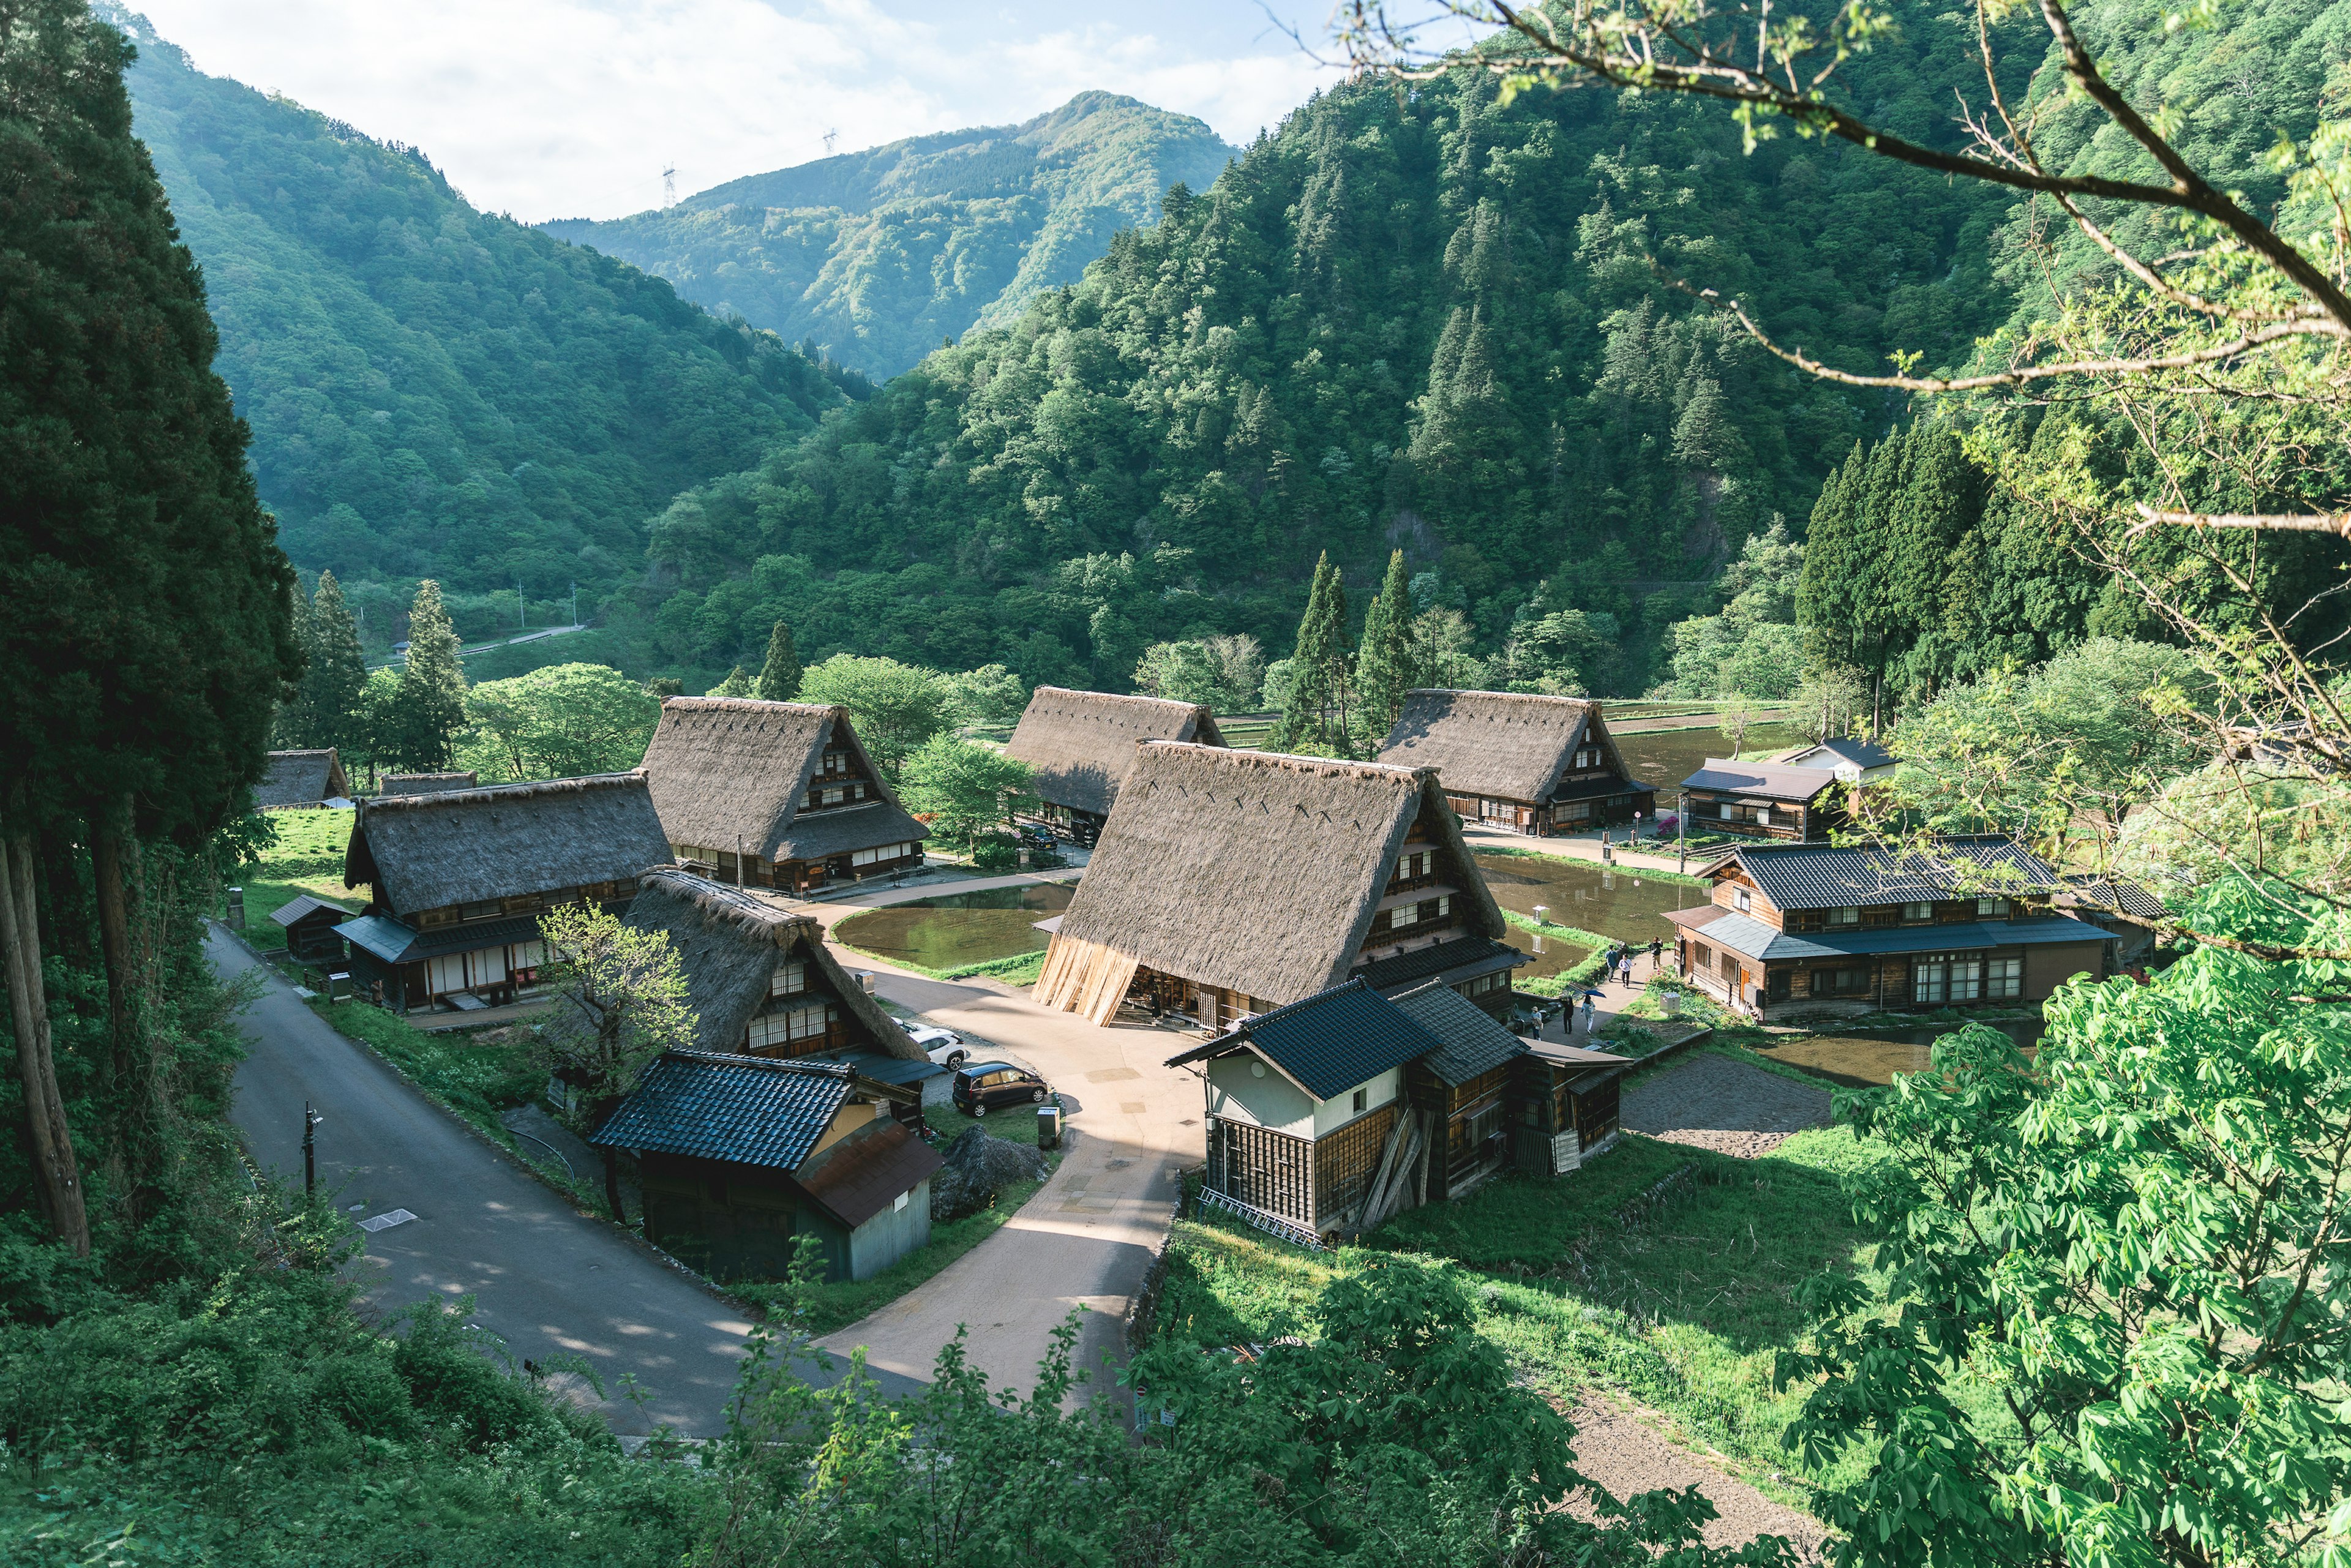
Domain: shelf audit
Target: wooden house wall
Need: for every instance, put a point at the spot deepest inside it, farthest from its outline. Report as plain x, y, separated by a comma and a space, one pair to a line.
731, 1221
1468, 1114
1346, 1160
1263, 1168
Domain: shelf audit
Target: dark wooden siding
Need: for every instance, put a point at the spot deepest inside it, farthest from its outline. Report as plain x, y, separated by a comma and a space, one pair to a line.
1346, 1160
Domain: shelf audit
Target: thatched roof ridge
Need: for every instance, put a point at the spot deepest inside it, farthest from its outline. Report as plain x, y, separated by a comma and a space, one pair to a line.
468, 846
1511, 745
1258, 871
730, 770
730, 939
301, 778
429, 783
1081, 744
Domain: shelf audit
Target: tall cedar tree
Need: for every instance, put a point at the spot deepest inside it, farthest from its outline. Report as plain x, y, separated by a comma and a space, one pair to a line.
1318, 668
329, 702
433, 686
292, 728
779, 677
1383, 665
145, 608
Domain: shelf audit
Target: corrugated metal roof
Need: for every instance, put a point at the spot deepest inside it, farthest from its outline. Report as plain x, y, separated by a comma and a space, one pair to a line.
1455, 960
386, 939
864, 1173
1756, 940
1860, 753
1824, 876
1329, 1042
1472, 1042
1769, 780
2118, 895
747, 1109
294, 909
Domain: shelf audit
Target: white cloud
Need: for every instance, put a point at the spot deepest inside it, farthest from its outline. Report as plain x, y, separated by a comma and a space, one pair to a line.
572, 107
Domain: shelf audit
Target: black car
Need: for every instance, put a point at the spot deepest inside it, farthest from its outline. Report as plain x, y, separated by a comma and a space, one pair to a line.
979, 1086
1041, 837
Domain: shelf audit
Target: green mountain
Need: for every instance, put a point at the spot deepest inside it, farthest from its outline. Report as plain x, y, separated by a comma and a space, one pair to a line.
1415, 321
434, 390
880, 255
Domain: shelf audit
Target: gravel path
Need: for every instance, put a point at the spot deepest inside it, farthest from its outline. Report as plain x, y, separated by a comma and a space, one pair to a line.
1731, 1107
1616, 1449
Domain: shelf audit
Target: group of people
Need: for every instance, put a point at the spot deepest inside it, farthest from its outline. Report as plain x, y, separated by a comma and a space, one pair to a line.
1618, 966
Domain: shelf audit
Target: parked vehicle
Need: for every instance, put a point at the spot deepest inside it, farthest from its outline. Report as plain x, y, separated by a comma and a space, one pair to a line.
980, 1086
1042, 837
943, 1046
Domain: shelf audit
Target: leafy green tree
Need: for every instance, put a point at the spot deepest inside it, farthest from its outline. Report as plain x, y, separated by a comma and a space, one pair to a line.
962, 787
990, 695
737, 684
1181, 672
895, 707
620, 1002
559, 722
379, 733
779, 677
2109, 1328
1384, 667
431, 684
1240, 659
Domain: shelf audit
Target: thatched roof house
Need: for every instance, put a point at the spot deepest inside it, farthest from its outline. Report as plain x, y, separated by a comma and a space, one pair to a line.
1234, 882
429, 783
1510, 759
774, 794
759, 977
298, 779
459, 879
1082, 744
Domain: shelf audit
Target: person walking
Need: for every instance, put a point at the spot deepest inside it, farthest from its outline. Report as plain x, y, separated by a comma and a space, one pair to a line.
1656, 956
1587, 1012
1624, 970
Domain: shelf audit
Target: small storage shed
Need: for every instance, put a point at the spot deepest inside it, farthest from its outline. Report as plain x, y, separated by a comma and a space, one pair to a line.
740, 1155
1466, 1084
1568, 1097
309, 926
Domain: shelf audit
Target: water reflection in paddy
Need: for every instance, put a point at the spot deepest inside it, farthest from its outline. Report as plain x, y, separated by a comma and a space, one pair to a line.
1626, 904
1664, 757
958, 928
1865, 1057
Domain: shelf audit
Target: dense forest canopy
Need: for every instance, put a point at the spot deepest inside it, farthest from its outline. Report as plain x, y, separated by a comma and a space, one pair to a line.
877, 257
435, 391
1407, 320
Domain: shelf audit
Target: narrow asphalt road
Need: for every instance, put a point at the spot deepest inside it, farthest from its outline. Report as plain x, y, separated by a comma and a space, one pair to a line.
546, 1279
1085, 1240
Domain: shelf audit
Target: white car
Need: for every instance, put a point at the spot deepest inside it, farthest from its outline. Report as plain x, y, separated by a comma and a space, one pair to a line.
943, 1046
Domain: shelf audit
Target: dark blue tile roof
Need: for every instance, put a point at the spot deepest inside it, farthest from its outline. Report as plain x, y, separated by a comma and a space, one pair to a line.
1456, 960
1757, 940
1824, 876
1329, 1042
1473, 1043
747, 1109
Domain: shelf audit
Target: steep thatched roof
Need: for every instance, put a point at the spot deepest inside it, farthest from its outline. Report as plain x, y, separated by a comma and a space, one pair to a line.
729, 771
1258, 871
730, 939
428, 783
1082, 743
300, 779
1511, 746
468, 846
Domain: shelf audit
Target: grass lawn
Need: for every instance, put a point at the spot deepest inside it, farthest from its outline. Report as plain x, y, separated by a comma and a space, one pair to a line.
1020, 969
1682, 1307
309, 843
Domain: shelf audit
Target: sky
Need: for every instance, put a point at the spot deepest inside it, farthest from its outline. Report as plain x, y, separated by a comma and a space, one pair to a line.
553, 109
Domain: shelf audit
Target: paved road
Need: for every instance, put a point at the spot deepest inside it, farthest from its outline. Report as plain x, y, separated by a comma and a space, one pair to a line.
1085, 1239
545, 1278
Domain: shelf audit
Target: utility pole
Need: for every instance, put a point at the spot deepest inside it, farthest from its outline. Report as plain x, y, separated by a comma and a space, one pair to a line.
523, 605
310, 1120
575, 603
1681, 832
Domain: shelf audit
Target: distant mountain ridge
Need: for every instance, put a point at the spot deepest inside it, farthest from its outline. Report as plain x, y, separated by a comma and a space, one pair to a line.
435, 391
878, 255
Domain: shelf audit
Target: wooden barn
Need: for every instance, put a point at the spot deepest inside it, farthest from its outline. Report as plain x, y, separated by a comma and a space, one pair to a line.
740, 1155
1082, 744
297, 780
775, 795
1812, 930
458, 879
309, 926
428, 783
1528, 764
1230, 883
1469, 1086
761, 982
1568, 1105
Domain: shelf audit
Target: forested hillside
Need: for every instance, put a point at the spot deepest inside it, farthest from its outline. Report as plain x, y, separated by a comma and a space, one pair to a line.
1415, 321
434, 390
881, 255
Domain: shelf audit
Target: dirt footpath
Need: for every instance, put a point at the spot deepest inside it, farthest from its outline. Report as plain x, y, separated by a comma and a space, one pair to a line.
1616, 1449
1730, 1107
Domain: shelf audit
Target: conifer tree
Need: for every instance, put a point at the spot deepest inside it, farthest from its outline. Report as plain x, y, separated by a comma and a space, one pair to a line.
1319, 669
779, 677
433, 686
338, 669
1383, 666
294, 725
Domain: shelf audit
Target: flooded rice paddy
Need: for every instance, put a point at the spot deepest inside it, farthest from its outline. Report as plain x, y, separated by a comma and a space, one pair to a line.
1664, 757
953, 929
1607, 900
1865, 1057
